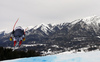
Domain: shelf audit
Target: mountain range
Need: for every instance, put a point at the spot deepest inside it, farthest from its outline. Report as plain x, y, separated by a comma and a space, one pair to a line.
49, 38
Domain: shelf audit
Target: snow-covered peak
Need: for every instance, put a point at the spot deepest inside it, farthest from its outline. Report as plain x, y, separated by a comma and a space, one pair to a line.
88, 20
2, 32
5, 31
74, 22
28, 28
54, 24
92, 19
41, 25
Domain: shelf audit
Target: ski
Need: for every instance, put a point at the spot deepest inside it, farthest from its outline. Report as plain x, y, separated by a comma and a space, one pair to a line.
15, 46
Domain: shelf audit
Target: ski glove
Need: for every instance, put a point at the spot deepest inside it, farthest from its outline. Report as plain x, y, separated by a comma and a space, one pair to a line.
10, 39
23, 39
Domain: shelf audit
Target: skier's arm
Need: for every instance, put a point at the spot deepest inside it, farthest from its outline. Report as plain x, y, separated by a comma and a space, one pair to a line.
23, 35
12, 34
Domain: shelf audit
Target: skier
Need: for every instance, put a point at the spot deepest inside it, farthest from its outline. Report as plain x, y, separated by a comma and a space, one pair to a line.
18, 32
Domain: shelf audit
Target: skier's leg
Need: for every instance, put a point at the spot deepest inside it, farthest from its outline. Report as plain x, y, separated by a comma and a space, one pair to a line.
15, 41
20, 42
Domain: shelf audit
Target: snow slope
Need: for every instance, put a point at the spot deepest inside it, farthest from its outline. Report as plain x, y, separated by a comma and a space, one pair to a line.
63, 57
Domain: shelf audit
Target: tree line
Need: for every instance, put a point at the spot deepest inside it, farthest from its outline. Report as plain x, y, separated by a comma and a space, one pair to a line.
6, 54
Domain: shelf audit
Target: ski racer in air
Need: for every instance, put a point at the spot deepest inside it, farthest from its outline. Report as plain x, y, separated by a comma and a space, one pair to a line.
17, 32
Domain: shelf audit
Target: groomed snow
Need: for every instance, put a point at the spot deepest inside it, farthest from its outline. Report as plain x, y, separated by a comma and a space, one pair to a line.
63, 57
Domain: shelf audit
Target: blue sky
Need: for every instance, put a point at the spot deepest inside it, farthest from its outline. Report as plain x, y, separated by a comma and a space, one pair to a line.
34, 12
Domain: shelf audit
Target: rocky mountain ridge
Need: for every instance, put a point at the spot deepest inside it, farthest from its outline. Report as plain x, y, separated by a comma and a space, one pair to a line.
78, 34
